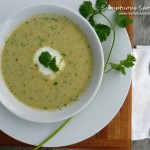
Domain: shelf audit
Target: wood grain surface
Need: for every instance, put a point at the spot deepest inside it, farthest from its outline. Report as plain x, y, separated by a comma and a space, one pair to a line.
117, 134
142, 24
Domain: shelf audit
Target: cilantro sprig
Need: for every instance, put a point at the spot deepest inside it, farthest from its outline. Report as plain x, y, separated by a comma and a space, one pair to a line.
103, 31
128, 62
87, 10
46, 60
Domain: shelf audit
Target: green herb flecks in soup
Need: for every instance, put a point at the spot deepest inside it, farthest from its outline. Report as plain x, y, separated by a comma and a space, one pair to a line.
22, 74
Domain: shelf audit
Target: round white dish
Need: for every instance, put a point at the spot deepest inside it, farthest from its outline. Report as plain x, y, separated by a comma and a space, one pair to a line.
97, 115
28, 113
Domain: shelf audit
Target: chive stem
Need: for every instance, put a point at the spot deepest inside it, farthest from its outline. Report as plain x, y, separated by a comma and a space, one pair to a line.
52, 135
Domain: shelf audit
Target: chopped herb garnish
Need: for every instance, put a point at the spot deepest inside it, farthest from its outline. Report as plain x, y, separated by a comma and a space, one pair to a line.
22, 45
54, 19
45, 108
41, 39
63, 54
76, 74
55, 83
46, 60
40, 44
45, 18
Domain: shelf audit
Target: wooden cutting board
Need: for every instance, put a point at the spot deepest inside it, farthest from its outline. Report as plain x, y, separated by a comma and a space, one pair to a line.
117, 134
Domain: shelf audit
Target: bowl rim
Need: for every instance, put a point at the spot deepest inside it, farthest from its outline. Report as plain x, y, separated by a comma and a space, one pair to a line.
101, 51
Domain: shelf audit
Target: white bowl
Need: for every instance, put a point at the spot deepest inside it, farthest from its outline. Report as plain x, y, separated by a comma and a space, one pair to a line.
20, 109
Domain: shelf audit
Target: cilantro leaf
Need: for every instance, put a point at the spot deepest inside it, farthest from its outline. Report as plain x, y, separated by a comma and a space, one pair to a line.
45, 59
92, 21
53, 65
128, 63
118, 67
103, 31
121, 20
101, 5
86, 9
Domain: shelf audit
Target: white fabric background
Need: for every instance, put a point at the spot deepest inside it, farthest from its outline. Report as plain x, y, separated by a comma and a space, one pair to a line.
141, 94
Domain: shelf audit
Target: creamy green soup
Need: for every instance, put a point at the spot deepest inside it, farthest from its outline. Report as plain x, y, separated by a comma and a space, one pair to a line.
23, 77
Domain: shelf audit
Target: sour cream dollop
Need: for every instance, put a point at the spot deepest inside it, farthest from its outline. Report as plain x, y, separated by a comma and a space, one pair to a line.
54, 53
